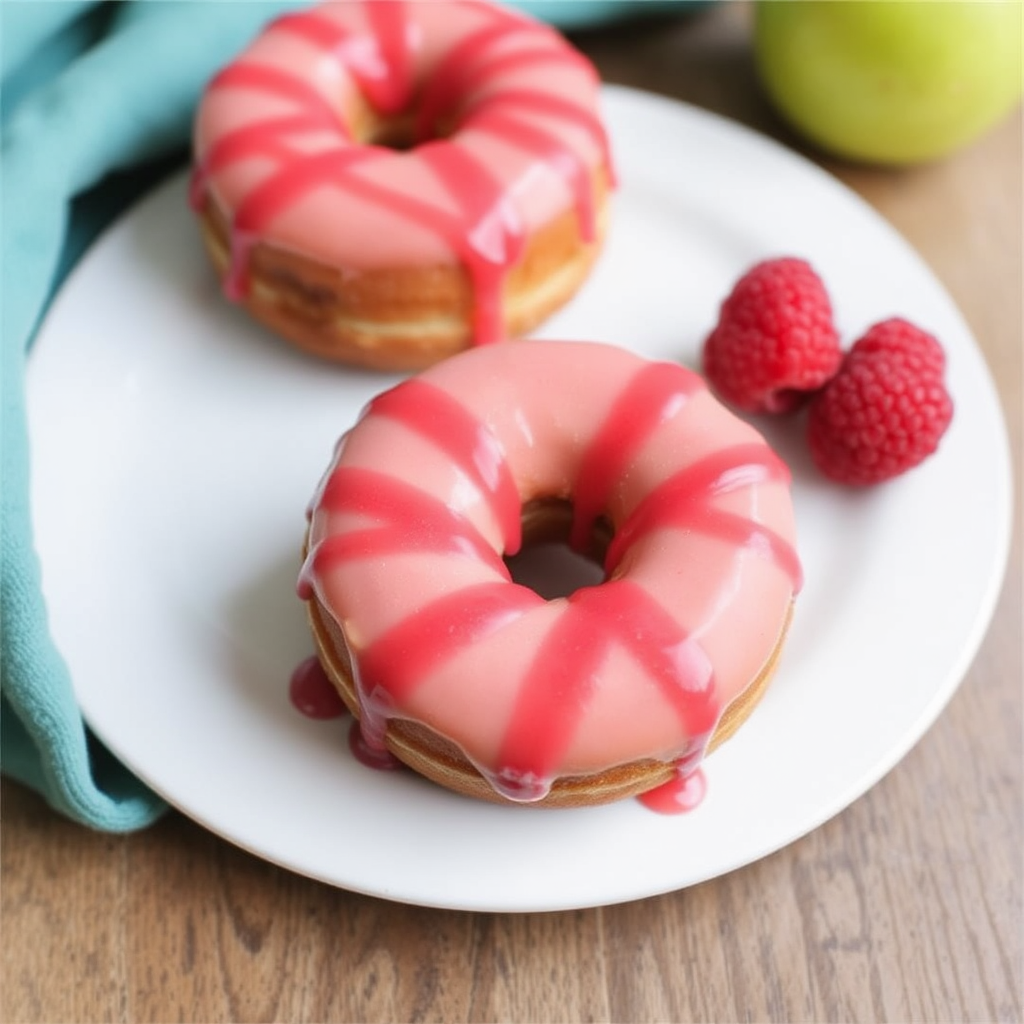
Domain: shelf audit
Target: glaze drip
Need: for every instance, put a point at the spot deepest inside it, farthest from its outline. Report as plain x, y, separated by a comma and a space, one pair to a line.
677, 796
466, 93
312, 693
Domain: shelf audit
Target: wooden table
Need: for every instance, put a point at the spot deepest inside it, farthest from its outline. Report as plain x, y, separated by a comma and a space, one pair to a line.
907, 906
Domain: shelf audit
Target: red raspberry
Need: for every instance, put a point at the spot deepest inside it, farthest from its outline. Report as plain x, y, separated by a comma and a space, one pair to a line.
775, 341
919, 349
885, 411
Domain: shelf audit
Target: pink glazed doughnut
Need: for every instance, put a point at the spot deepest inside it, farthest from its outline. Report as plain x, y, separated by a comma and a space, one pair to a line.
387, 183
476, 681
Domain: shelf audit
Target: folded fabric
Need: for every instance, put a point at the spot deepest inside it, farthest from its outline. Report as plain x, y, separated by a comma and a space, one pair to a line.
94, 96
97, 100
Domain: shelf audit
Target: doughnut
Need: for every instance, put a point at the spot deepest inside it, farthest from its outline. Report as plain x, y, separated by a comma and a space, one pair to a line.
387, 183
476, 681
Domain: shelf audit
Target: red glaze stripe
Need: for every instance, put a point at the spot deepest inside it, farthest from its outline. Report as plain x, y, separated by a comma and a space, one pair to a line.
557, 107
465, 440
743, 533
406, 519
320, 31
367, 65
563, 675
294, 180
499, 233
383, 71
268, 200
268, 139
684, 501
486, 235
548, 149
557, 687
525, 60
391, 668
677, 665
445, 87
389, 23
486, 273
655, 394
498, 237
281, 85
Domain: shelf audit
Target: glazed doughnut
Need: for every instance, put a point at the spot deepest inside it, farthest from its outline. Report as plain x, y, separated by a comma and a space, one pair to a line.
387, 183
476, 681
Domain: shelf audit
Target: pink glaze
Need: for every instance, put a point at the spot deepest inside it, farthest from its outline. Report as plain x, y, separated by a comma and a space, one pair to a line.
274, 146
421, 501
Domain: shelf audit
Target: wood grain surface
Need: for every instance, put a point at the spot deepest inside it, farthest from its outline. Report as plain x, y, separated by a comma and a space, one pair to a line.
905, 907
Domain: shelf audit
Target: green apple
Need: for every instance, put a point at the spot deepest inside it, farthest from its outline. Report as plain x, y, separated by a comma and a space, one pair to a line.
890, 82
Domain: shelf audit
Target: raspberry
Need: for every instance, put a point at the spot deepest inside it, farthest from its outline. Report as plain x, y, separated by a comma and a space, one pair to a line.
919, 349
775, 341
886, 409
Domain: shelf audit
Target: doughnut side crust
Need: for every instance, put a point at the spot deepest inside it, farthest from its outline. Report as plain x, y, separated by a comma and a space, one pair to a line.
403, 318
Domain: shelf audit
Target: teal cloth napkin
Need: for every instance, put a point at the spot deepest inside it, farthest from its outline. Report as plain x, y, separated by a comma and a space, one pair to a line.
96, 101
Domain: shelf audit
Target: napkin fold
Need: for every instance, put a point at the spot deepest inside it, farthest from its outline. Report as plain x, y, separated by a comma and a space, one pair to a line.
96, 103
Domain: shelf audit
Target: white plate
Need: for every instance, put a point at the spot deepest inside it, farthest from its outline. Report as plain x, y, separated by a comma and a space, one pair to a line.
175, 446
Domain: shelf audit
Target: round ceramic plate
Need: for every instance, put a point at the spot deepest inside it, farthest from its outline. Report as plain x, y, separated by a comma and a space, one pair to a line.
175, 446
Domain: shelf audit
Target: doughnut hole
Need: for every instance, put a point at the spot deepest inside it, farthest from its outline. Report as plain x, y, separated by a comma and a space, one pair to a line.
394, 133
546, 563
399, 131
